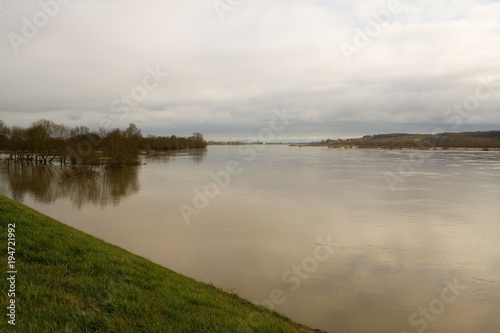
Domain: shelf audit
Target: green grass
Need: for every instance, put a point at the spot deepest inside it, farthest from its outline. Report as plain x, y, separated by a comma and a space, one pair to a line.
68, 281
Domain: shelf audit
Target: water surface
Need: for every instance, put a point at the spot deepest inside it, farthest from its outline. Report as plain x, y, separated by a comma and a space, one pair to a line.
397, 246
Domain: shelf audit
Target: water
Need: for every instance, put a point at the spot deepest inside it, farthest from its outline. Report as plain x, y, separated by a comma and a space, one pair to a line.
339, 239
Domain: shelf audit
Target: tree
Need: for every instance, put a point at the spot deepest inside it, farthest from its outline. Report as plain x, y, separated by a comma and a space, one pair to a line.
4, 136
81, 145
132, 137
59, 140
44, 140
198, 141
38, 137
18, 143
122, 147
132, 132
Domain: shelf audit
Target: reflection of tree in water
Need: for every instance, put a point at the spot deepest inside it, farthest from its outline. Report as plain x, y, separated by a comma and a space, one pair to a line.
197, 154
36, 180
48, 183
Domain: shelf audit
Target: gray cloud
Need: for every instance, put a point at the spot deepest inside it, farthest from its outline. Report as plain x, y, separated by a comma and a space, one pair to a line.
227, 76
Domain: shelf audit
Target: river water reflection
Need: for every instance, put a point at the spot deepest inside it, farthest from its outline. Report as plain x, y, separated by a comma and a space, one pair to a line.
422, 256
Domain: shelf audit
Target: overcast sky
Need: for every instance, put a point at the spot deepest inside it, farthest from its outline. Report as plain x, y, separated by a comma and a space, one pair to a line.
231, 64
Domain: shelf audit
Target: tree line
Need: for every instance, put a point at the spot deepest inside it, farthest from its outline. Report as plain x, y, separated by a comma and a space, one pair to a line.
45, 142
478, 140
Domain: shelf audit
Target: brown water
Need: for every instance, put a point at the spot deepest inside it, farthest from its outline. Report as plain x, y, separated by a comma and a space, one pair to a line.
318, 234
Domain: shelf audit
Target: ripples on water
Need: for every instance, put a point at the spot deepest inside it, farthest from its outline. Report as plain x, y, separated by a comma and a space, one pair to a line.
395, 249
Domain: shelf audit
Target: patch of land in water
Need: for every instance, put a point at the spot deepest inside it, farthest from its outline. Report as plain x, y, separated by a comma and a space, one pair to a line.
473, 140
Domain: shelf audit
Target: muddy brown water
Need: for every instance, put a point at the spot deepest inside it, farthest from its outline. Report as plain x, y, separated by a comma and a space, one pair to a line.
344, 240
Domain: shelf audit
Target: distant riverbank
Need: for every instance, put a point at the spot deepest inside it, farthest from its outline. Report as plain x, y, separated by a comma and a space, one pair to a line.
473, 140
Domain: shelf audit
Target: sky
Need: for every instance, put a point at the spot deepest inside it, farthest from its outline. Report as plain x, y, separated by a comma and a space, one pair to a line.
262, 69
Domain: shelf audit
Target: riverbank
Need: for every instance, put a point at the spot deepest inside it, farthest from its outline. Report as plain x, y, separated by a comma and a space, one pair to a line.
68, 281
475, 140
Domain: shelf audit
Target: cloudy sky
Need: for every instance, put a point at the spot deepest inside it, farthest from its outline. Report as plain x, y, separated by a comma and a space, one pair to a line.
224, 67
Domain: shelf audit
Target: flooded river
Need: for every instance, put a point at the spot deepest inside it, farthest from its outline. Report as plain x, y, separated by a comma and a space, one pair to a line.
345, 240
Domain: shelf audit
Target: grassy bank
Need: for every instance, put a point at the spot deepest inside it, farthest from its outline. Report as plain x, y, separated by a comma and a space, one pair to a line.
68, 281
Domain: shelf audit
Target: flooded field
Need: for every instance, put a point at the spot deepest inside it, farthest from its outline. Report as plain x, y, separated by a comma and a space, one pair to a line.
344, 240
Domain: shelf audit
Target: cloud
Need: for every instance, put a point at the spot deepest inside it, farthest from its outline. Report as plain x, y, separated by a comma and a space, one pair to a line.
227, 76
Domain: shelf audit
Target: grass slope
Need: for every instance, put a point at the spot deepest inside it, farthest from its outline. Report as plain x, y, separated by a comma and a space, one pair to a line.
68, 281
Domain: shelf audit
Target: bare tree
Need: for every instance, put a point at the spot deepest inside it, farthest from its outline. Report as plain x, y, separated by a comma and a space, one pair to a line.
18, 143
4, 136
122, 147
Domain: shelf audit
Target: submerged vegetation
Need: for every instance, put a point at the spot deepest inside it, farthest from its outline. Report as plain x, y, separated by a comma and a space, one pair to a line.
45, 142
479, 140
68, 281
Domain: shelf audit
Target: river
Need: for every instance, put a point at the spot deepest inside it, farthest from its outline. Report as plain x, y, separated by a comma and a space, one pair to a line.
345, 240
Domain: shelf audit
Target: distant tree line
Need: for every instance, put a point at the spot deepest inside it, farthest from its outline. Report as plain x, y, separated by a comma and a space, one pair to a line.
484, 140
164, 143
226, 143
45, 141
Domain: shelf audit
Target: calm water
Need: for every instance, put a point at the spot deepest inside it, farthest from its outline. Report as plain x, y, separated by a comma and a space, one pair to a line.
319, 234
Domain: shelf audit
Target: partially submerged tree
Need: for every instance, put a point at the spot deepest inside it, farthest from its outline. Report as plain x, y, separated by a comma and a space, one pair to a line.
164, 143
122, 147
18, 144
44, 140
81, 145
198, 140
4, 136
